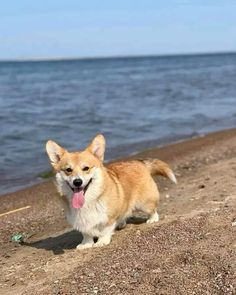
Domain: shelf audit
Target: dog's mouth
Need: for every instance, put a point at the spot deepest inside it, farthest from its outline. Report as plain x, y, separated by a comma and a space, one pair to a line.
78, 197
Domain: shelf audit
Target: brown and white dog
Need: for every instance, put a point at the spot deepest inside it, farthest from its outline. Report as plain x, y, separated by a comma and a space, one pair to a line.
99, 198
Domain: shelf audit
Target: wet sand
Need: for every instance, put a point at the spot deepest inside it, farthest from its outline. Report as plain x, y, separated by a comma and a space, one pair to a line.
190, 251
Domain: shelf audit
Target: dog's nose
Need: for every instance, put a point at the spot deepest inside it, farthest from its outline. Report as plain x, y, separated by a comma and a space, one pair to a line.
77, 182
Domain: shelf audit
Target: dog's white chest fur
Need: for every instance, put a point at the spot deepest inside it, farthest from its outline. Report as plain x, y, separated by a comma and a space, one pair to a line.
90, 219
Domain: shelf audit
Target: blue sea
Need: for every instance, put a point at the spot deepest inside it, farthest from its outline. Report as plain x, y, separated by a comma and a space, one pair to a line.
137, 102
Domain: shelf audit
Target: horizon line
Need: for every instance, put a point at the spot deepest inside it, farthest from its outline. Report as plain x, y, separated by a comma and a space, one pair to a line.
57, 58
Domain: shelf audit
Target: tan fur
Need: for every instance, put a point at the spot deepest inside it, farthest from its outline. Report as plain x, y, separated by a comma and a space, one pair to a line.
122, 187
130, 187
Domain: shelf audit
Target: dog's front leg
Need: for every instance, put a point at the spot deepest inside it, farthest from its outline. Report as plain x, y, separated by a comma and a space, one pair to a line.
87, 242
105, 238
103, 241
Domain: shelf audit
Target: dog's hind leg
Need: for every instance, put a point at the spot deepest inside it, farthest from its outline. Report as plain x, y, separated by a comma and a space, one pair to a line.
150, 208
153, 218
121, 224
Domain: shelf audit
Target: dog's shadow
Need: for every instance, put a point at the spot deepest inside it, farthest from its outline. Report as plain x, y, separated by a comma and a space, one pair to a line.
58, 244
69, 240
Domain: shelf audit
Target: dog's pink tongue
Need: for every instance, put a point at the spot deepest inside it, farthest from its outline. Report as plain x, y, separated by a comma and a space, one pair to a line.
78, 199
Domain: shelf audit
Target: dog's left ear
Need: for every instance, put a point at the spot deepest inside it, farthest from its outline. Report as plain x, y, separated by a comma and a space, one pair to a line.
97, 147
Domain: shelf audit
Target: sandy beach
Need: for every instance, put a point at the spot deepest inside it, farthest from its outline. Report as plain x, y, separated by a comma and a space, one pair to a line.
190, 251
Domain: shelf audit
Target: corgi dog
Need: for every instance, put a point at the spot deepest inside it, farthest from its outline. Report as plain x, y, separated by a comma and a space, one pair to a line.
99, 198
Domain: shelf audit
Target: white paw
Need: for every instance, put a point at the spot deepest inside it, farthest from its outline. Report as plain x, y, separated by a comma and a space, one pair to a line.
153, 218
84, 246
102, 242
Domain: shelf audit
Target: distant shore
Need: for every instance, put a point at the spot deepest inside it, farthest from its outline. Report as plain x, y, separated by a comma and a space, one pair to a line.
74, 58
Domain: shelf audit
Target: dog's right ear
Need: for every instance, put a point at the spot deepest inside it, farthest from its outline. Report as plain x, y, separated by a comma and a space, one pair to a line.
54, 151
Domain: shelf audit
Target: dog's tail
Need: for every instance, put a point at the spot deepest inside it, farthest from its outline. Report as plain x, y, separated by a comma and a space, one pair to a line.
158, 167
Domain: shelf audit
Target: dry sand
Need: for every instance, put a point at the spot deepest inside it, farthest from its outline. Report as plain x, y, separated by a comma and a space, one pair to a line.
191, 250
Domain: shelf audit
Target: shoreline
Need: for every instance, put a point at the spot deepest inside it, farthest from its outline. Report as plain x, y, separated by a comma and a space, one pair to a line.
167, 152
123, 152
191, 248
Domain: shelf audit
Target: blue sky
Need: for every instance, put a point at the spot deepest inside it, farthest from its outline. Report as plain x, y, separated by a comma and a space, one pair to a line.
76, 28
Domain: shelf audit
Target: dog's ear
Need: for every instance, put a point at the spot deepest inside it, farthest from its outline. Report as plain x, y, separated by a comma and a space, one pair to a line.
97, 147
54, 151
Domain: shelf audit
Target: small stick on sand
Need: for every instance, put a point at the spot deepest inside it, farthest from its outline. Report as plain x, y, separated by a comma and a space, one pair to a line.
13, 211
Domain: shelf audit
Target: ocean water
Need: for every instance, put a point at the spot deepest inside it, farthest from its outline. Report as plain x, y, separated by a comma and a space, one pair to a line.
136, 102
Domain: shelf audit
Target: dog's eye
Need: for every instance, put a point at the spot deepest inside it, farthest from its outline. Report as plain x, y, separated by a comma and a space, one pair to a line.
69, 170
86, 168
